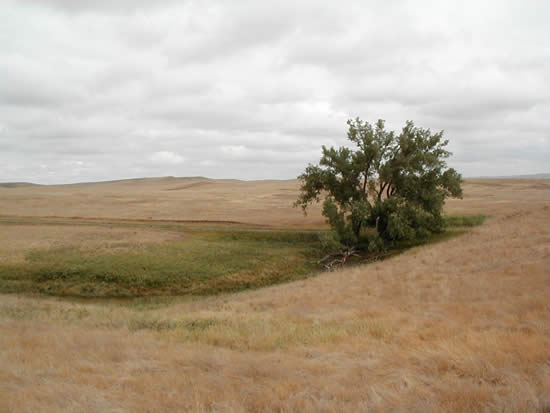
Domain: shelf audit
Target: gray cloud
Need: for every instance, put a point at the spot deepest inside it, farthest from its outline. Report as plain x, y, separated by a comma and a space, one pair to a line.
99, 6
243, 89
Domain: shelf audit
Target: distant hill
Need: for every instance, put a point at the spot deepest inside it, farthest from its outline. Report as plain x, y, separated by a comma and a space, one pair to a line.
159, 179
193, 180
16, 184
162, 179
528, 176
184, 180
532, 176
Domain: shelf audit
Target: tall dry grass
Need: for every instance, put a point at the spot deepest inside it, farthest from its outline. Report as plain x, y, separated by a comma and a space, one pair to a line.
458, 326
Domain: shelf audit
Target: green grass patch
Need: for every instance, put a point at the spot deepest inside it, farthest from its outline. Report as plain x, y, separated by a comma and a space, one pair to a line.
453, 221
207, 262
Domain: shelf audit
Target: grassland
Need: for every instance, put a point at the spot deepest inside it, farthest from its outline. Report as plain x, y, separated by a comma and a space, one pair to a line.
456, 325
203, 260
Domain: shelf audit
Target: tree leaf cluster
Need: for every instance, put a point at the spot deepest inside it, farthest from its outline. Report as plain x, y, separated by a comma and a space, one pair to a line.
388, 187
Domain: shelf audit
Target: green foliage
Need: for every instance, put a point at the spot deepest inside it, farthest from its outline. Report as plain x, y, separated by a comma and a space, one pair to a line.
329, 242
395, 184
375, 244
337, 221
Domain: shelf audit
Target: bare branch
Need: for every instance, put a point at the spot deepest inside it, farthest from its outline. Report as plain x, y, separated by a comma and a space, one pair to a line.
339, 259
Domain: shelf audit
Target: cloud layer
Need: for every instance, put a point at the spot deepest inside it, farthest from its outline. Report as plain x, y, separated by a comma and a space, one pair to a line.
243, 89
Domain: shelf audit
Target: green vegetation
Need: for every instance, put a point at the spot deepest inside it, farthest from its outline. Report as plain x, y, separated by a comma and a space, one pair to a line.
464, 220
208, 262
393, 184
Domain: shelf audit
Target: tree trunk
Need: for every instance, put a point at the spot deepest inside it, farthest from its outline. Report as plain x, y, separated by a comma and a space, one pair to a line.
382, 187
357, 230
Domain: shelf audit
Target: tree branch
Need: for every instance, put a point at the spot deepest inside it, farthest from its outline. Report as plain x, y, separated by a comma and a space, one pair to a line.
338, 259
382, 187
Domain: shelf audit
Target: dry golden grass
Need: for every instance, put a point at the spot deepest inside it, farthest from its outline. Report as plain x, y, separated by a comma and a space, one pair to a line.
257, 202
17, 239
458, 326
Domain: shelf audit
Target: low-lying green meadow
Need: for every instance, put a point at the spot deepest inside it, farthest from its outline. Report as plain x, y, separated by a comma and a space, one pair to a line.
208, 261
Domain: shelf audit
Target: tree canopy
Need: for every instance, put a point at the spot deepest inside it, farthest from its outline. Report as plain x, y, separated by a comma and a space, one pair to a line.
394, 183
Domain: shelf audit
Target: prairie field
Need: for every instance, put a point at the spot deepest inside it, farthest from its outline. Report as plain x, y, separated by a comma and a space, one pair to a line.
191, 294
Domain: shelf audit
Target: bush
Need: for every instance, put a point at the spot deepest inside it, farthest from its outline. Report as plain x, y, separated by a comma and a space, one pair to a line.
330, 242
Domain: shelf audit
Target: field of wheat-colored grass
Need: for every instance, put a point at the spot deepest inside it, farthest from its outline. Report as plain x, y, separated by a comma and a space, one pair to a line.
459, 326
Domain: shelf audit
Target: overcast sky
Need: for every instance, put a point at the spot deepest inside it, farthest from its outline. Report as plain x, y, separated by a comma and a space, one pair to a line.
109, 89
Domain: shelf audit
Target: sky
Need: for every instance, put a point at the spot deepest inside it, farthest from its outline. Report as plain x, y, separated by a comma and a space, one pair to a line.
113, 89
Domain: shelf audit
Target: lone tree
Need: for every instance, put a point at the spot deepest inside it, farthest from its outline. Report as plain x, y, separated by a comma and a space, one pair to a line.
395, 184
